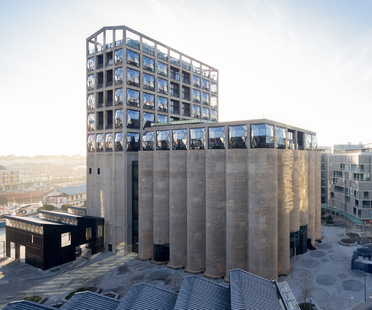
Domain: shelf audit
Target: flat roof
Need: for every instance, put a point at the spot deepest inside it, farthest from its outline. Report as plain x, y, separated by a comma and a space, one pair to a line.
33, 220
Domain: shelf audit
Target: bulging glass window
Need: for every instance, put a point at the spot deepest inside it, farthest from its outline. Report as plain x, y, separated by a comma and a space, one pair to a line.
205, 113
179, 139
118, 57
133, 141
148, 82
91, 101
213, 101
91, 143
91, 82
90, 64
148, 64
214, 75
162, 104
238, 136
214, 88
119, 118
214, 115
119, 96
280, 135
196, 95
133, 119
148, 101
119, 141
205, 71
205, 98
133, 58
91, 121
162, 69
197, 138
205, 84
262, 136
133, 97
162, 86
195, 81
148, 119
308, 144
118, 77
109, 143
314, 142
133, 77
163, 140
195, 111
216, 137
99, 142
162, 119
148, 140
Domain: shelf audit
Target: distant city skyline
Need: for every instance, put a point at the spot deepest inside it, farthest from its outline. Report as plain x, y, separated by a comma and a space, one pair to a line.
308, 64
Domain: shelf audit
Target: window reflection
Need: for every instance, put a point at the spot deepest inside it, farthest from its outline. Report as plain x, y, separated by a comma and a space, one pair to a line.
148, 46
162, 86
91, 121
238, 137
196, 95
91, 143
90, 64
148, 82
205, 84
290, 139
205, 98
91, 102
133, 58
179, 139
216, 137
205, 113
109, 143
262, 136
195, 81
99, 142
148, 140
133, 119
195, 111
148, 101
162, 119
314, 142
308, 144
174, 107
197, 138
162, 104
119, 141
148, 119
133, 97
118, 57
119, 96
162, 52
214, 115
119, 118
214, 88
280, 135
132, 77
133, 141
148, 64
91, 82
213, 101
162, 69
163, 140
118, 76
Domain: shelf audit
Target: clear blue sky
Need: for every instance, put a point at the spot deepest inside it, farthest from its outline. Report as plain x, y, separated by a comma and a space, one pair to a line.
306, 63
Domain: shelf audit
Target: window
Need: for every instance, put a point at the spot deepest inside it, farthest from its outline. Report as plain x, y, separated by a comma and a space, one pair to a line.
99, 231
133, 77
280, 138
119, 118
91, 102
290, 139
214, 75
162, 52
197, 138
214, 115
174, 73
214, 88
195, 67
133, 97
118, 77
90, 64
148, 64
133, 141
205, 98
99, 142
109, 143
205, 71
65, 239
163, 140
162, 86
185, 77
195, 81
91, 143
148, 101
118, 58
162, 119
205, 84
90, 170
91, 82
109, 119
262, 136
148, 119
185, 93
314, 142
213, 101
91, 121
119, 141
162, 69
148, 82
132, 39
174, 89
174, 107
119, 96
205, 113
195, 111
162, 104
88, 233
185, 109
148, 47
196, 95
308, 144
148, 141
238, 137
133, 119
133, 58
216, 137
186, 63
179, 139
174, 58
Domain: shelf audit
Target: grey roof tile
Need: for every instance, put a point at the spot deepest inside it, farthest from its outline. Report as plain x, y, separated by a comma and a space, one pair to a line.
90, 301
25, 305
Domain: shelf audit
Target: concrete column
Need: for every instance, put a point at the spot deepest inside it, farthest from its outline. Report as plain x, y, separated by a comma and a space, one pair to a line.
318, 209
145, 210
178, 209
236, 210
311, 196
285, 205
263, 212
215, 214
304, 198
196, 224
295, 212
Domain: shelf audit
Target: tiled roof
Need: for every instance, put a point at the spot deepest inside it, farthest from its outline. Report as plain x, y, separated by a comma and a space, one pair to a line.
25, 305
90, 301
73, 190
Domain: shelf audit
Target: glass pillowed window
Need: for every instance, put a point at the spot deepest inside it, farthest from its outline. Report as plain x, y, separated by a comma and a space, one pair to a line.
162, 69
148, 101
174, 107
91, 101
216, 138
280, 138
91, 121
119, 96
133, 77
205, 98
214, 88
148, 81
205, 113
195, 81
119, 141
238, 136
162, 86
133, 119
314, 142
133, 58
118, 77
163, 140
90, 64
91, 143
119, 118
148, 119
308, 145
262, 136
195, 111
118, 57
197, 138
214, 115
148, 140
195, 67
133, 141
214, 76
133, 97
162, 119
213, 101
148, 64
162, 104
91, 82
179, 139
196, 95
99, 142
109, 142
205, 84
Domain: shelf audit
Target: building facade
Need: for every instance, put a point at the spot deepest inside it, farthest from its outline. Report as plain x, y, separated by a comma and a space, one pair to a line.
74, 196
219, 196
132, 82
8, 178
